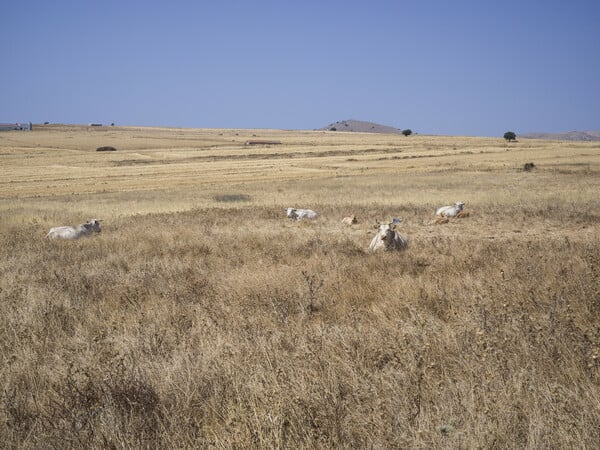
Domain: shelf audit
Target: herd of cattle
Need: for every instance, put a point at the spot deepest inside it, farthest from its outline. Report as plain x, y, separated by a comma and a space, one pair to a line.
387, 238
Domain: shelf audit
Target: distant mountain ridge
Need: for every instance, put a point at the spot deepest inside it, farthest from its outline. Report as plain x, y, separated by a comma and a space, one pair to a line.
360, 126
566, 136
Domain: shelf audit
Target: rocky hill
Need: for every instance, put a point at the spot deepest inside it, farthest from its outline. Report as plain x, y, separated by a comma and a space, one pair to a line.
359, 126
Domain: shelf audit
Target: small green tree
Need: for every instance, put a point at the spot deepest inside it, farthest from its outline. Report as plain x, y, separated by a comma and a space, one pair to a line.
510, 136
407, 132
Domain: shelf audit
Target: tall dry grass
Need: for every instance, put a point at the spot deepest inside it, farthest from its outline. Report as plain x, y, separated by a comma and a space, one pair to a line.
225, 325
196, 329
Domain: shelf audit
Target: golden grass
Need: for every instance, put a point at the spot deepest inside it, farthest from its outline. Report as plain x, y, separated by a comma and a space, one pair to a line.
201, 317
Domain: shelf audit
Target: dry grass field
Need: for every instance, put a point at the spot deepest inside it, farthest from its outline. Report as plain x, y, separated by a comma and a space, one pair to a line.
201, 317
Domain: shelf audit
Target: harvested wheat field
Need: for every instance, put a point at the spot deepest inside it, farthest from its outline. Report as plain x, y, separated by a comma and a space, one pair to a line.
202, 317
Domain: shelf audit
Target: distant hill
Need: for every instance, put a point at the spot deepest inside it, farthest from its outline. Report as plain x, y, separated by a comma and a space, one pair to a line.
566, 136
359, 126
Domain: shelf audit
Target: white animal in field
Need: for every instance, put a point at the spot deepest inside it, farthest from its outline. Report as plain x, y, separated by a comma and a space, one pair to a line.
349, 220
450, 211
388, 238
299, 214
76, 232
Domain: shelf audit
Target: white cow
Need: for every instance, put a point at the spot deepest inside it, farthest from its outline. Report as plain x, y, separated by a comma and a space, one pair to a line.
450, 211
76, 232
349, 220
388, 238
299, 214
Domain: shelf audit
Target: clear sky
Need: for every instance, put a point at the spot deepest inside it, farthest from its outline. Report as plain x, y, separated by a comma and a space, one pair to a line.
437, 67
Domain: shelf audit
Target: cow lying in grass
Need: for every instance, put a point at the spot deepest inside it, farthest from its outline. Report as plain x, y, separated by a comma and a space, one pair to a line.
350, 220
444, 213
299, 214
387, 238
76, 232
450, 211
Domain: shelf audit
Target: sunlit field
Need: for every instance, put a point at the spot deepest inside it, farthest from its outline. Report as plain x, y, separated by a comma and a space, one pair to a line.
202, 317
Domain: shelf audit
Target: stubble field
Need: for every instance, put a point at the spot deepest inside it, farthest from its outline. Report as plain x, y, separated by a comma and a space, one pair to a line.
201, 317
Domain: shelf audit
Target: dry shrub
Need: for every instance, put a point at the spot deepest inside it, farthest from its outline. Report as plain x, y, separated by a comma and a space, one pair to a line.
232, 198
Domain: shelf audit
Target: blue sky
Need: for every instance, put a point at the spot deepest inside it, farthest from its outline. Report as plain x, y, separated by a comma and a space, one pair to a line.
437, 67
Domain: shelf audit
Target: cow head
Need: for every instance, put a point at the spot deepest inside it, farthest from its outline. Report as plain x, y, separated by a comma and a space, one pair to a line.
93, 225
459, 206
386, 230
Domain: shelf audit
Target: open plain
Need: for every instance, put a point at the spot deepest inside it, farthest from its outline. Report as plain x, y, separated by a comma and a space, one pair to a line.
201, 317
